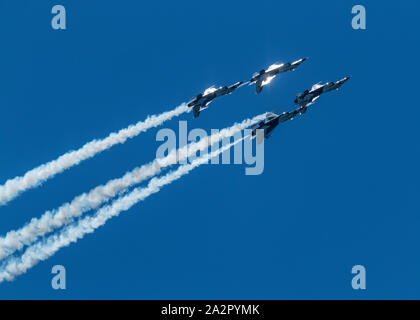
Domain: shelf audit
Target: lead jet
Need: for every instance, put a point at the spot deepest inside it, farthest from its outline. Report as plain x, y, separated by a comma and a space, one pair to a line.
264, 77
308, 97
202, 100
271, 121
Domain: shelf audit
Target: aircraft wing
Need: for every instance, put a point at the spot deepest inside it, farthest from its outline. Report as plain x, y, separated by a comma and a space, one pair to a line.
255, 74
196, 111
313, 100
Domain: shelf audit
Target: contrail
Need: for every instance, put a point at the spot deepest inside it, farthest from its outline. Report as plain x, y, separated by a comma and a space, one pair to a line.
13, 187
66, 213
72, 233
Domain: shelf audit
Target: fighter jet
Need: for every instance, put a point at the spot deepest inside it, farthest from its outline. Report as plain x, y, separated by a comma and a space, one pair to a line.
202, 100
308, 97
271, 121
264, 77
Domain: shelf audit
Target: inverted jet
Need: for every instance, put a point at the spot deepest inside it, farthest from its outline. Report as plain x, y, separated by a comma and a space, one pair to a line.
264, 77
271, 121
308, 97
202, 100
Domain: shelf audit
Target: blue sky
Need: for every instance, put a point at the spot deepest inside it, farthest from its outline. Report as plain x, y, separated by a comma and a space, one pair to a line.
340, 185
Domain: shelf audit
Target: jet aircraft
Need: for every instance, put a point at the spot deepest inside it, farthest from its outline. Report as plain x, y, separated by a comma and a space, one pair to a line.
264, 77
271, 121
308, 97
202, 100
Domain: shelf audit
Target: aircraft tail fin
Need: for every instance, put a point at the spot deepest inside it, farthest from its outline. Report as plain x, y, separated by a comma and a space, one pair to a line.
258, 86
196, 111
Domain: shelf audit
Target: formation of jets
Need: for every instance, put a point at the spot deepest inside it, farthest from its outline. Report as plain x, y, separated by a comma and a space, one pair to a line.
260, 79
304, 100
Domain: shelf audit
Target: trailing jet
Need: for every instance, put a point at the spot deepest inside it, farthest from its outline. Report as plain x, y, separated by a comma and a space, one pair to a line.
308, 97
264, 77
202, 100
271, 121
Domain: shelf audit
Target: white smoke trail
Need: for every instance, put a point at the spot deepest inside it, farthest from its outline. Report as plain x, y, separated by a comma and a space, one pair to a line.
66, 213
13, 187
72, 233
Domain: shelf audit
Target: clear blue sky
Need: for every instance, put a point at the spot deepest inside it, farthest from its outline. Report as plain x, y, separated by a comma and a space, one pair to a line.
340, 185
